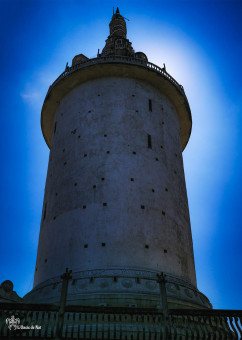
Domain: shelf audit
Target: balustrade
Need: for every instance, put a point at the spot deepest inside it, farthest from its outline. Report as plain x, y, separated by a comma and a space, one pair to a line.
119, 323
118, 59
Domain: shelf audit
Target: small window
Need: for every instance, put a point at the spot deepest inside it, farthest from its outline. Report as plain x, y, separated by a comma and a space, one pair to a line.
45, 211
149, 142
150, 105
55, 127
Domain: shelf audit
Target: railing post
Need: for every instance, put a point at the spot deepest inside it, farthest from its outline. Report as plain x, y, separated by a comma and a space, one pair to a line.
161, 279
60, 320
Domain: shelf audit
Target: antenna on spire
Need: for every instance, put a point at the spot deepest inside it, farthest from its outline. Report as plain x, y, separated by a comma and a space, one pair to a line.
113, 10
117, 12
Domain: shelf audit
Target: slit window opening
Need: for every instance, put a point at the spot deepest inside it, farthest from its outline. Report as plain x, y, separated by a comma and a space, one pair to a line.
149, 142
45, 211
150, 105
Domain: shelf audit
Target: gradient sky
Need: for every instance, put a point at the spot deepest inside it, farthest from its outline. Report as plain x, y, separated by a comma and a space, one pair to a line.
201, 44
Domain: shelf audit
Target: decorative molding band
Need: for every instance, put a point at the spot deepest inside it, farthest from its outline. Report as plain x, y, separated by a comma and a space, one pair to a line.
118, 284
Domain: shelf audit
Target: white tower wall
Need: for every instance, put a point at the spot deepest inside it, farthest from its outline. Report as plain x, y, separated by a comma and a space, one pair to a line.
115, 195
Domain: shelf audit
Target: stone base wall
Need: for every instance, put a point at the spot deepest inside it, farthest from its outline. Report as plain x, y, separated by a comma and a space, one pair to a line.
123, 287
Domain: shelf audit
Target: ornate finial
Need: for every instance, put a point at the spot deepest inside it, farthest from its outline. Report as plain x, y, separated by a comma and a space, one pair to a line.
7, 286
117, 42
7, 294
67, 67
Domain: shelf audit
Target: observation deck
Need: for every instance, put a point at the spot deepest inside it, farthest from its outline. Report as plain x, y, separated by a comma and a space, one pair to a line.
116, 66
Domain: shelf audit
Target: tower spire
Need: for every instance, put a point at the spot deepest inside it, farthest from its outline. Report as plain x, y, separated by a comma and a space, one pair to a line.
117, 42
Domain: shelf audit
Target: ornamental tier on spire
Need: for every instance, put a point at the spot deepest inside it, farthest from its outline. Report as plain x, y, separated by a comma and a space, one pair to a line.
117, 43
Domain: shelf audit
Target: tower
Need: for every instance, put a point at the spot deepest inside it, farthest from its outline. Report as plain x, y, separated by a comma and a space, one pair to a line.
115, 207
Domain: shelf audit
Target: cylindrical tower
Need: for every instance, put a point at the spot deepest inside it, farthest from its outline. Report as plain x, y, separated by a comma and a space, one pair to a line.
115, 208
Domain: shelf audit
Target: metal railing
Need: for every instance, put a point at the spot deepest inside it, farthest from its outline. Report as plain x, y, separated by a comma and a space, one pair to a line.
81, 322
118, 59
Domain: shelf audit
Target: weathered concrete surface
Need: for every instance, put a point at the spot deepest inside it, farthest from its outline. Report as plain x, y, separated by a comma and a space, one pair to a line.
115, 198
81, 156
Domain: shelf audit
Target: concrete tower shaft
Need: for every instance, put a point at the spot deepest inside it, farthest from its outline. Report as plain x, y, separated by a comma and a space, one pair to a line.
115, 207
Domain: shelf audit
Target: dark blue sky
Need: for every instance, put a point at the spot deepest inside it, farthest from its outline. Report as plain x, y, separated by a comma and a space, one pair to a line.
201, 44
